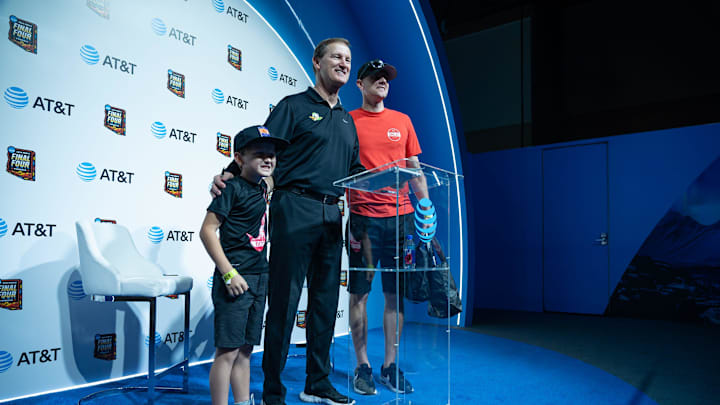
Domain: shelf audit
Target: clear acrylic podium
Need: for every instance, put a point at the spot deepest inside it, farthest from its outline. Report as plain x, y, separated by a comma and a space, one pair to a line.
427, 286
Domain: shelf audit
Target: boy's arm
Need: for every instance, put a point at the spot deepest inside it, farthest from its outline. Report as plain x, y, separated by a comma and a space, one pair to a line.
208, 235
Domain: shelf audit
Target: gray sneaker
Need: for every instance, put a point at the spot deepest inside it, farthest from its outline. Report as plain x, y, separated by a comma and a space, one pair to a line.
363, 381
388, 378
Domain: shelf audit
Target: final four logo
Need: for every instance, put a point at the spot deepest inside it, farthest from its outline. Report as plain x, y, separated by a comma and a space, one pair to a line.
235, 57
301, 323
21, 163
223, 144
176, 83
23, 34
115, 119
105, 346
173, 184
11, 294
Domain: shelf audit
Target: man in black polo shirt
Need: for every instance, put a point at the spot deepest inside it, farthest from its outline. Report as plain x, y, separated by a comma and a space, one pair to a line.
306, 236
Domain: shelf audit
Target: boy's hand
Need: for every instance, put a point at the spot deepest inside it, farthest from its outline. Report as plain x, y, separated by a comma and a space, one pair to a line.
237, 286
218, 183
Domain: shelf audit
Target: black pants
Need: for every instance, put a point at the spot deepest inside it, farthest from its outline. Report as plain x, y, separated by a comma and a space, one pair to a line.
306, 240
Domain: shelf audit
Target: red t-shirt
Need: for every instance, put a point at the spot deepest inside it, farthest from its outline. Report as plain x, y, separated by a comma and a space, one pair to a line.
384, 137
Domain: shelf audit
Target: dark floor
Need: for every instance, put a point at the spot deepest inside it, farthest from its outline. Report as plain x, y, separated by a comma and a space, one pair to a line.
672, 362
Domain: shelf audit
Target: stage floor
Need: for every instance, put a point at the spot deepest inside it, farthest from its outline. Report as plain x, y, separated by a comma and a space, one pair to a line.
484, 370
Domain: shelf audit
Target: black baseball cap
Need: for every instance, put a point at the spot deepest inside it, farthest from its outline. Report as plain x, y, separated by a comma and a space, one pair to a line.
257, 133
374, 66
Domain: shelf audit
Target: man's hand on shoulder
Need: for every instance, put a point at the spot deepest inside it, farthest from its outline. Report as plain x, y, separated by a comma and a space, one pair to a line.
218, 183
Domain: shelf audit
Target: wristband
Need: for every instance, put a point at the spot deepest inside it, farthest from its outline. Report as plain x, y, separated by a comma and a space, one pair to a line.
229, 275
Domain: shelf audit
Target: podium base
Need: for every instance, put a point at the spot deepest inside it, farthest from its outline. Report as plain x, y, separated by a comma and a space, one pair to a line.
399, 401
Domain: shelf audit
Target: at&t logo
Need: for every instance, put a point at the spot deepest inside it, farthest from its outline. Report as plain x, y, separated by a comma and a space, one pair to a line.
17, 98
159, 28
3, 227
158, 340
38, 356
91, 56
218, 97
6, 361
75, 290
156, 235
180, 236
275, 76
87, 172
219, 6
34, 229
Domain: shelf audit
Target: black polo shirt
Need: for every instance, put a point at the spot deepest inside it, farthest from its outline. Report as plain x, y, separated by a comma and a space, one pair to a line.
243, 231
323, 143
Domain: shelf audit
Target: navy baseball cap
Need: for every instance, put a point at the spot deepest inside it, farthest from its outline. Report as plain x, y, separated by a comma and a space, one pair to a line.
257, 133
374, 66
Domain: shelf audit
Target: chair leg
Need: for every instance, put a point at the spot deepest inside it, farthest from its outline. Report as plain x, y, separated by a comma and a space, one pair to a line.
151, 353
186, 344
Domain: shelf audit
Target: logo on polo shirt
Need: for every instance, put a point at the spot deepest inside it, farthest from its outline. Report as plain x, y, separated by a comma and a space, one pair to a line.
105, 346
223, 144
21, 163
315, 117
258, 243
115, 119
176, 83
393, 134
11, 294
23, 34
173, 184
235, 57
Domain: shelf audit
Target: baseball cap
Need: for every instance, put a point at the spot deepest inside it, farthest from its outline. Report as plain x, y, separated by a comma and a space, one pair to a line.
375, 66
257, 133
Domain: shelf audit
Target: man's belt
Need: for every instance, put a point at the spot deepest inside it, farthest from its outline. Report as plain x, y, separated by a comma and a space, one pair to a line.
323, 198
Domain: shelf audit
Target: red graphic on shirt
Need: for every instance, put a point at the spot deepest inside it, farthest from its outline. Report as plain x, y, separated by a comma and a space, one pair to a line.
259, 242
394, 134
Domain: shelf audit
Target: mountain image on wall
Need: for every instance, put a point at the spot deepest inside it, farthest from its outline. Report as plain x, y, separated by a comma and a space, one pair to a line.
676, 272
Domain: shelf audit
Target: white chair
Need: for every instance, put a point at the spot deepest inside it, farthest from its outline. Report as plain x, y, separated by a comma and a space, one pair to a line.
112, 269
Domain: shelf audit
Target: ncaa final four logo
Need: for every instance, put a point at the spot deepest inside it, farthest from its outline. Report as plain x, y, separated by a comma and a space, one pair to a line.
11, 294
115, 119
105, 346
223, 144
23, 34
21, 163
173, 184
235, 57
301, 323
176, 83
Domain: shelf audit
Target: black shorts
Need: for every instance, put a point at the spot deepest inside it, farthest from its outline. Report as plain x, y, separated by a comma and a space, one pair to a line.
380, 233
239, 320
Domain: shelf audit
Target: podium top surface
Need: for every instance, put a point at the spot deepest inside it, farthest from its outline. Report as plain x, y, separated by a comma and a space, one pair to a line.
391, 178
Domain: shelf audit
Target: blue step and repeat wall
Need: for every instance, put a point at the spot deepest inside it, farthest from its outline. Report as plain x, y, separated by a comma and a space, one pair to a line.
123, 111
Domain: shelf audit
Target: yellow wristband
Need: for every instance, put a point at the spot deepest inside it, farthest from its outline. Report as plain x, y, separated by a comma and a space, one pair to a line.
229, 275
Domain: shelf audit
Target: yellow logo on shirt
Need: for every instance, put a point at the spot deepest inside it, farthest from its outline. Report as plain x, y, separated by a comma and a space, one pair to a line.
315, 117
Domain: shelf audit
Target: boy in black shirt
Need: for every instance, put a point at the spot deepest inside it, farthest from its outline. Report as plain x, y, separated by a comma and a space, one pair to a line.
240, 256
